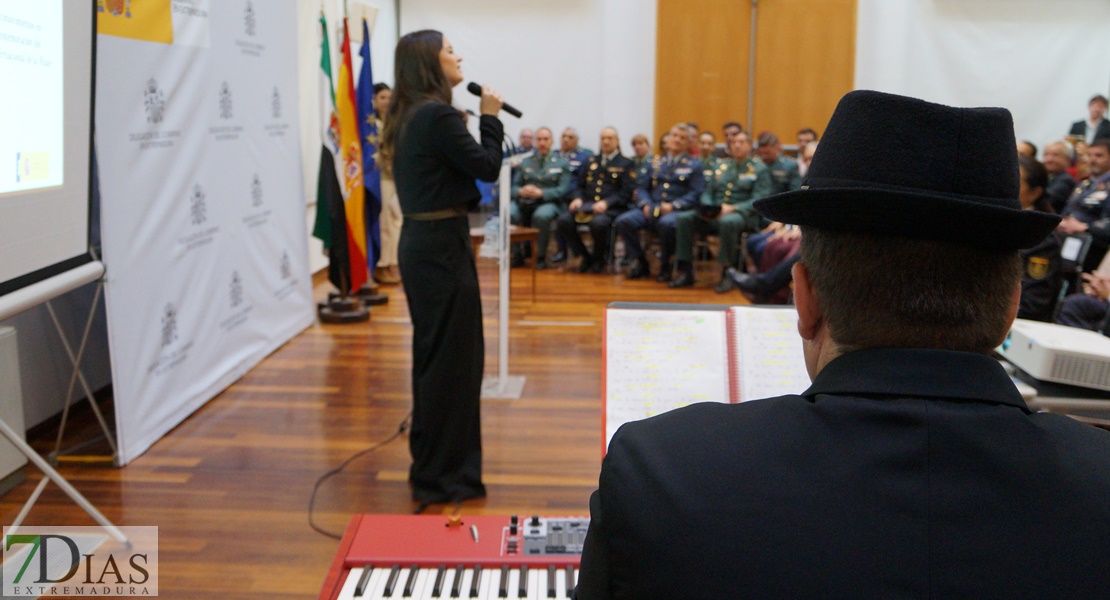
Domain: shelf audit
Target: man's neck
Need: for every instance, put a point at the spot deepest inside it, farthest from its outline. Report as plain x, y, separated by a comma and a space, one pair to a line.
674, 154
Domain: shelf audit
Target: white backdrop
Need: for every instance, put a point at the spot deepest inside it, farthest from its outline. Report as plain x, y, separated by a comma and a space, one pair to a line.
1042, 60
202, 207
581, 63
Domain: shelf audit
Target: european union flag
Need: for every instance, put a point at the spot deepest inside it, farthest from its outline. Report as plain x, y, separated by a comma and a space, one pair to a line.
368, 132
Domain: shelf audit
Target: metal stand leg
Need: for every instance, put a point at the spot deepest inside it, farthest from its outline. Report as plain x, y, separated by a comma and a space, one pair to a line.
53, 475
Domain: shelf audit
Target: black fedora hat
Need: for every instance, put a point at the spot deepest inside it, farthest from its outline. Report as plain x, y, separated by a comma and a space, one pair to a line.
899, 166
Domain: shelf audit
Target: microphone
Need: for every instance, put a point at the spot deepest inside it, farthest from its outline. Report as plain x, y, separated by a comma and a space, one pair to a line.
476, 89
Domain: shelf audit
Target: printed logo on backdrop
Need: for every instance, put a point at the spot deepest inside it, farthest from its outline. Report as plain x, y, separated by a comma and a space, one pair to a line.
290, 283
191, 23
79, 561
171, 352
154, 106
198, 215
278, 128
247, 46
144, 20
230, 132
240, 312
262, 217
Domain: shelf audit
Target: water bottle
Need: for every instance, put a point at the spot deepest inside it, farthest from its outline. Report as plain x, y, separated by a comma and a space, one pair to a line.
491, 242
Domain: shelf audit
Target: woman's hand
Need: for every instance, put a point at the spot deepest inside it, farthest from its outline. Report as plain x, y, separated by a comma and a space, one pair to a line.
491, 101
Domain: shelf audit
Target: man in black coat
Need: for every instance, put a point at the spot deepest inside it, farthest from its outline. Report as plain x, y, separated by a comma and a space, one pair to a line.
603, 191
911, 468
1096, 126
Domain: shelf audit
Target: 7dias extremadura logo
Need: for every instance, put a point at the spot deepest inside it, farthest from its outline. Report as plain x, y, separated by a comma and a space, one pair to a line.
80, 561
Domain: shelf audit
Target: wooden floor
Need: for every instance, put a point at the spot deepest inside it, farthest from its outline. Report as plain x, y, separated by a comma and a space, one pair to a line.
229, 487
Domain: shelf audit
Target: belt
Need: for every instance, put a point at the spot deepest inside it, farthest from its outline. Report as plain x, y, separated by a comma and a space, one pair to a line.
439, 215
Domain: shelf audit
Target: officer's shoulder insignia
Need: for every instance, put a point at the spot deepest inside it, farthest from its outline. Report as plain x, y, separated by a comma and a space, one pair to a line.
1036, 267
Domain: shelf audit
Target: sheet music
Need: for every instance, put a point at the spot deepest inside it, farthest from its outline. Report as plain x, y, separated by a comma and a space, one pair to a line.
659, 360
769, 353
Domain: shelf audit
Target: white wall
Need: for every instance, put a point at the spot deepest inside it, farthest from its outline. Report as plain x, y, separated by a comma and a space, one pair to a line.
1042, 60
581, 63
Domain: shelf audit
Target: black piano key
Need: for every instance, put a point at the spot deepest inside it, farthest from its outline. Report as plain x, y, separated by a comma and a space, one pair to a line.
411, 582
360, 589
570, 581
477, 579
391, 583
503, 589
550, 581
456, 586
437, 589
522, 590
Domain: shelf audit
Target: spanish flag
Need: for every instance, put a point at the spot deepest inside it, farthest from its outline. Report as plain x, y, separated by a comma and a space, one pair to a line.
350, 154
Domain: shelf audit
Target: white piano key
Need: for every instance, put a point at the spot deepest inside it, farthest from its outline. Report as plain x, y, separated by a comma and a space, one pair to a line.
514, 583
348, 589
422, 589
375, 591
560, 583
536, 583
464, 587
488, 588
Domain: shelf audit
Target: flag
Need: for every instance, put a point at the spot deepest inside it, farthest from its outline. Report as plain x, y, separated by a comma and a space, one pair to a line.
330, 216
368, 133
350, 159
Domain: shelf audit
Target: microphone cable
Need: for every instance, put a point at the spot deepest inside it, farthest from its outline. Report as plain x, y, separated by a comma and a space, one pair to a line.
402, 428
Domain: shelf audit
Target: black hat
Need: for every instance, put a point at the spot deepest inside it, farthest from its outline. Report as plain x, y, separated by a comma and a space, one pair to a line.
892, 165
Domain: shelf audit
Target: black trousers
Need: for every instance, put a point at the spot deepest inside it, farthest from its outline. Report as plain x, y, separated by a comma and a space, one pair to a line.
599, 226
448, 357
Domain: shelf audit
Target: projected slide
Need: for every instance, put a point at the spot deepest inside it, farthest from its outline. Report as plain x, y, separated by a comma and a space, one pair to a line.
31, 96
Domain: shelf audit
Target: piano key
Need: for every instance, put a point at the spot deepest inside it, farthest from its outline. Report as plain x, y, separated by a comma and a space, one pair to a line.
550, 581
391, 582
464, 582
456, 585
569, 580
422, 588
561, 583
349, 584
503, 584
475, 581
514, 583
410, 582
488, 588
437, 588
363, 581
375, 589
535, 583
522, 587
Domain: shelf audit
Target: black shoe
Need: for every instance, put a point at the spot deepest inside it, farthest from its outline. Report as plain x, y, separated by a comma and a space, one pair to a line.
639, 270
541, 264
516, 261
585, 265
664, 273
559, 257
748, 285
597, 266
725, 285
685, 279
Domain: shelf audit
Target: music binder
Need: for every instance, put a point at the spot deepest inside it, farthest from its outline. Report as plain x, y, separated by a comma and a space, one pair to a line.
659, 357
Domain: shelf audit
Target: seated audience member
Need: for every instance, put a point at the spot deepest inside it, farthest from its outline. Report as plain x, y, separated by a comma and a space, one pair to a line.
727, 131
1095, 126
1043, 274
784, 170
707, 145
673, 183
725, 208
603, 191
770, 284
787, 240
526, 140
641, 156
911, 467
1058, 158
806, 137
1089, 310
1027, 149
1087, 209
693, 148
537, 194
575, 155
1082, 168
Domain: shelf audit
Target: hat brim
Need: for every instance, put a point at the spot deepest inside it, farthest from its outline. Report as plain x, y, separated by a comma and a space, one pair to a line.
908, 214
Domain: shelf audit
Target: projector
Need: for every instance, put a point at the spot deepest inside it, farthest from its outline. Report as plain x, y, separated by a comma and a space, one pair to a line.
1060, 354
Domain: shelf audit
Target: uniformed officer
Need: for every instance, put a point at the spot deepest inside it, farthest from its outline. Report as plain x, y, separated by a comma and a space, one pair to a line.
575, 155
672, 184
725, 208
641, 156
604, 188
538, 190
707, 143
1087, 209
784, 170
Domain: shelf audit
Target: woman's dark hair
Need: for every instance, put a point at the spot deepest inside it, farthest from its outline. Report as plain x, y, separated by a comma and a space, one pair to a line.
380, 86
1036, 176
418, 79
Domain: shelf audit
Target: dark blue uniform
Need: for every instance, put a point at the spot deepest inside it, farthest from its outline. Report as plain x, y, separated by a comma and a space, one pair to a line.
612, 183
677, 180
1088, 204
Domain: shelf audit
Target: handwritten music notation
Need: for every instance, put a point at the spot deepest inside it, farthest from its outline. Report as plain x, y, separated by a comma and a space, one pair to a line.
768, 353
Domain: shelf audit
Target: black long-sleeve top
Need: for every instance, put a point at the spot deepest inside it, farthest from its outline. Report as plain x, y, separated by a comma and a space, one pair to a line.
437, 160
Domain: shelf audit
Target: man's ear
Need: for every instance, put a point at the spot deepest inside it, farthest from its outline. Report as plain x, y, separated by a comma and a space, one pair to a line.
805, 301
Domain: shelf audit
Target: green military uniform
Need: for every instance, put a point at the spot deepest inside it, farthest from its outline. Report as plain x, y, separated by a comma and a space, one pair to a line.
552, 174
784, 175
730, 182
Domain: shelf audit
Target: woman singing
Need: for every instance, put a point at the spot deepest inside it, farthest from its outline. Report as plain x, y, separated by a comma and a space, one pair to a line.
435, 161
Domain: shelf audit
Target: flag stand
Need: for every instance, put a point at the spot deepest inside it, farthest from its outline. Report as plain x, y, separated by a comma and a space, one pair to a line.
371, 296
341, 308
